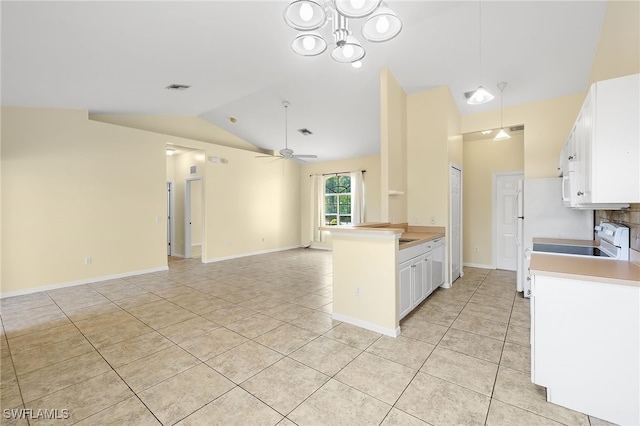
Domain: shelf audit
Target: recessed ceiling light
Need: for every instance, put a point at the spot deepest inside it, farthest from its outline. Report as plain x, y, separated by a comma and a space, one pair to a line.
177, 87
486, 132
170, 151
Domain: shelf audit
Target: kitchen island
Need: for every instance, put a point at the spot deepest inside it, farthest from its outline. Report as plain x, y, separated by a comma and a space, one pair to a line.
366, 273
585, 334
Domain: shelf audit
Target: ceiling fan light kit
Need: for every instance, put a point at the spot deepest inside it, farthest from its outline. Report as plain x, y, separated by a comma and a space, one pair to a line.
381, 25
286, 152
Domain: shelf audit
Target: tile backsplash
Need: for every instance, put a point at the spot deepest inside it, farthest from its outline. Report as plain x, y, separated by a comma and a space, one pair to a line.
629, 217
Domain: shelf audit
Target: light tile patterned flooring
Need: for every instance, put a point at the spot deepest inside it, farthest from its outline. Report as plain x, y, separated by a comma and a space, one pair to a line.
251, 342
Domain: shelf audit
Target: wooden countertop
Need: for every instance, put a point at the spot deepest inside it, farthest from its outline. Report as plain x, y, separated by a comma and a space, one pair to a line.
595, 269
421, 234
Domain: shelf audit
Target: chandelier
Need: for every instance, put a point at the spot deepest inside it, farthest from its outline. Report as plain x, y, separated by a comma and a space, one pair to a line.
307, 16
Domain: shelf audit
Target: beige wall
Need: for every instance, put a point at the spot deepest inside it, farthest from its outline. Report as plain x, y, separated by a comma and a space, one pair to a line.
432, 126
73, 188
618, 51
546, 126
482, 159
393, 148
372, 212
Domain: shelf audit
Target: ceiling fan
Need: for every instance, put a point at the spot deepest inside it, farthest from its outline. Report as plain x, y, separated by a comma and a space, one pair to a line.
286, 152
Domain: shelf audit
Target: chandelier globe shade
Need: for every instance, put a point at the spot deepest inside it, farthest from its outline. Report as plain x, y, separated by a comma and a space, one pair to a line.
382, 25
305, 15
356, 8
348, 52
309, 44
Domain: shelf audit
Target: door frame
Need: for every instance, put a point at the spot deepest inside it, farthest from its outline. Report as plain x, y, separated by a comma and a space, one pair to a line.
449, 280
494, 218
187, 215
171, 210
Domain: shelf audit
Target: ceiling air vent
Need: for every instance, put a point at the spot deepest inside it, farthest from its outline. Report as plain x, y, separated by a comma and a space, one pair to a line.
305, 132
177, 87
516, 128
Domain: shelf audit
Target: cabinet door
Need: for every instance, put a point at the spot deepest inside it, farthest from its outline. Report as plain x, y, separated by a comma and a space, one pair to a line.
419, 289
404, 296
437, 266
427, 270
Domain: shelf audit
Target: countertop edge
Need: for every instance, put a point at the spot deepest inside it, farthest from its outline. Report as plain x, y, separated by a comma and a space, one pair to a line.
604, 271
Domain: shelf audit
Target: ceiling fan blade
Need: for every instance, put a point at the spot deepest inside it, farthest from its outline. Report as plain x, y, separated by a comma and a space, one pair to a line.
264, 156
305, 156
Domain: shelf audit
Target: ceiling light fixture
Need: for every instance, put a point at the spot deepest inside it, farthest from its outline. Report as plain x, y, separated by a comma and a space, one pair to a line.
502, 134
170, 151
480, 95
381, 25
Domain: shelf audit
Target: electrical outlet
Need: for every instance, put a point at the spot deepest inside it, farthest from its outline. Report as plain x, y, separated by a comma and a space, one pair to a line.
263, 239
477, 249
87, 260
358, 291
433, 220
417, 219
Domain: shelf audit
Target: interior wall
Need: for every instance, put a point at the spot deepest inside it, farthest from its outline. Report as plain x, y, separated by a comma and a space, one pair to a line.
618, 51
483, 158
547, 124
372, 197
81, 188
428, 137
74, 189
393, 149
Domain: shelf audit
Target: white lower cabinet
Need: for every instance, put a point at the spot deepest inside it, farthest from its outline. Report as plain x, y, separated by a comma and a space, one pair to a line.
585, 346
417, 277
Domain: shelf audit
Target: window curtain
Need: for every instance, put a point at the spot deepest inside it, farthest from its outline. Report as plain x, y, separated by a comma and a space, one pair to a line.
357, 197
316, 208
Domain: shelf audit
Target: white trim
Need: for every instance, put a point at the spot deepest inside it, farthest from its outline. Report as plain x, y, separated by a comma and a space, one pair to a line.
254, 253
478, 265
318, 247
449, 252
367, 325
82, 282
188, 214
171, 214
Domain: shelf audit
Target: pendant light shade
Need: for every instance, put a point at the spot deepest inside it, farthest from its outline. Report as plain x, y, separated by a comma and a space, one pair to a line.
357, 8
502, 134
349, 51
309, 44
305, 15
480, 96
382, 25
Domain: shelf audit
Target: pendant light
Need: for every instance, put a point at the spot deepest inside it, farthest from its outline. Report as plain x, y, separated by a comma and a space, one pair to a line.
502, 134
480, 95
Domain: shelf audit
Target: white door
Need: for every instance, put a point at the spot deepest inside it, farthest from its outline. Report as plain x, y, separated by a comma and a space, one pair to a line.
169, 219
506, 223
456, 222
193, 218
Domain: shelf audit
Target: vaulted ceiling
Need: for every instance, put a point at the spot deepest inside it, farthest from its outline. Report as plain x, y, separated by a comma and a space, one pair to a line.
118, 57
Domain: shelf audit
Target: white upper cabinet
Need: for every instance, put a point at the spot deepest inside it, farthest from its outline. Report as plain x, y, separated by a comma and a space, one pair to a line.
603, 149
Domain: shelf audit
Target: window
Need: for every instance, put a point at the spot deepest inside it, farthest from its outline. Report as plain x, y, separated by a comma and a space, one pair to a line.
337, 200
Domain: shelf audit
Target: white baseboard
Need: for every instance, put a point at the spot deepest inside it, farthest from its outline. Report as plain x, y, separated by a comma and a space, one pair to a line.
82, 282
367, 325
241, 255
478, 265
